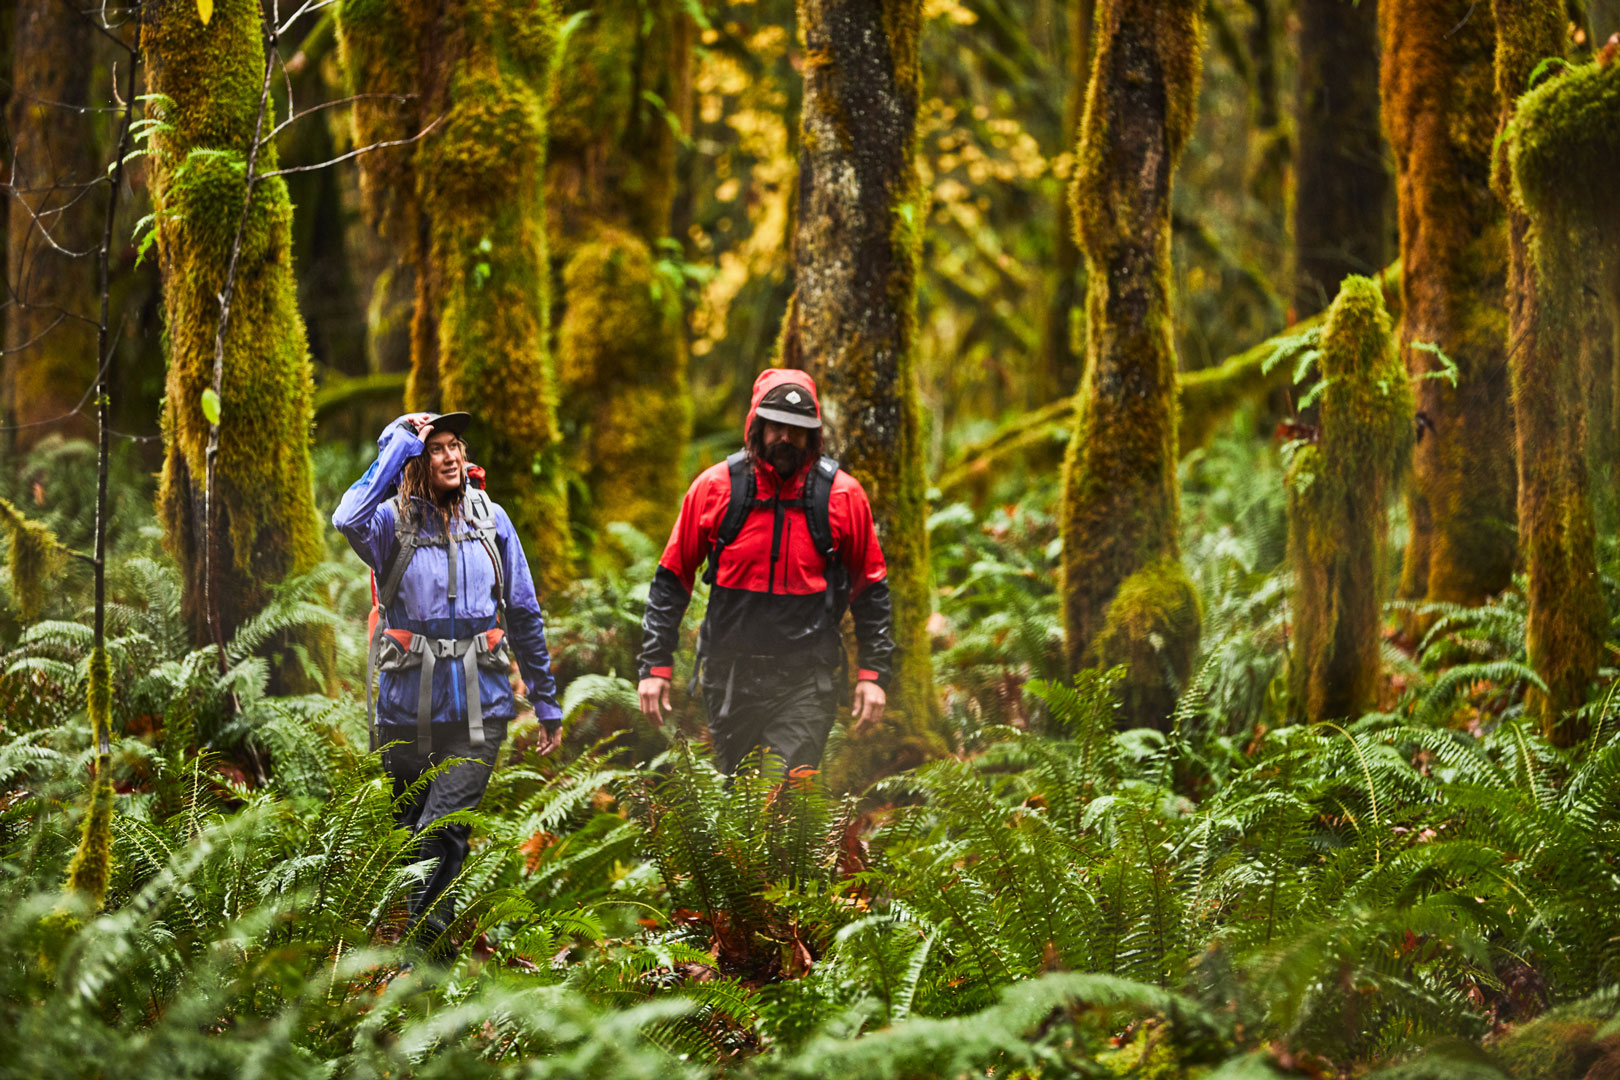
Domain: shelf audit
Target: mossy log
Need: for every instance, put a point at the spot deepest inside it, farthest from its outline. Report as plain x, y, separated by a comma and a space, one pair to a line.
1208, 397
1341, 185
52, 232
852, 322
467, 202
264, 525
1561, 156
1126, 598
1338, 507
1439, 110
622, 101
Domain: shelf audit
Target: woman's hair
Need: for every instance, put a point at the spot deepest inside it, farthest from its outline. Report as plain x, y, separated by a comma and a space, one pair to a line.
416, 482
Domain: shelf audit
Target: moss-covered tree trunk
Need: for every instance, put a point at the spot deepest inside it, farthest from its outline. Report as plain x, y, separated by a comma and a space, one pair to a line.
1438, 102
50, 348
623, 93
263, 523
467, 203
1564, 230
1338, 507
852, 319
1341, 186
1126, 598
1060, 368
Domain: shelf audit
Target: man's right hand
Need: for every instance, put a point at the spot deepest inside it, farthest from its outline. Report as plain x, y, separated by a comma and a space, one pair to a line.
654, 692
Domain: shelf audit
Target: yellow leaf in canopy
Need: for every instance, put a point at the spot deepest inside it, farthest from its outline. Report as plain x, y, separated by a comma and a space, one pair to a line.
205, 10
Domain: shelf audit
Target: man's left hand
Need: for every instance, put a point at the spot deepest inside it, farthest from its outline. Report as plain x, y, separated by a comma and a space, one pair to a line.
869, 702
550, 740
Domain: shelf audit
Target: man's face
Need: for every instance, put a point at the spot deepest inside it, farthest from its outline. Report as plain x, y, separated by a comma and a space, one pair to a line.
785, 446
447, 457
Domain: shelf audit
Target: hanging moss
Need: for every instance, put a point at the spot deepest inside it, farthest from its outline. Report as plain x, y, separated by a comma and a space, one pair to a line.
1560, 155
49, 361
264, 525
852, 322
91, 866
35, 556
466, 206
1338, 496
1121, 499
622, 94
1439, 112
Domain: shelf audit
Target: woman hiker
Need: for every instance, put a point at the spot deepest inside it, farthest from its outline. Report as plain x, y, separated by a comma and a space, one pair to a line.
454, 603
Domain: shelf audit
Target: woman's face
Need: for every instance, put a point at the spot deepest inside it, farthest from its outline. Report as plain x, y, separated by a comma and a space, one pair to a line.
447, 460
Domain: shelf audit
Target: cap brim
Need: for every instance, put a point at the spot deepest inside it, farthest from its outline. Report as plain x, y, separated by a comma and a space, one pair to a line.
793, 419
456, 423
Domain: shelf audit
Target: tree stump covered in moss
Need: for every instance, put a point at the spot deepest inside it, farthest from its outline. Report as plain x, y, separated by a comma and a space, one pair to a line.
467, 203
1126, 598
1563, 156
263, 525
49, 359
1339, 491
622, 97
1439, 111
852, 320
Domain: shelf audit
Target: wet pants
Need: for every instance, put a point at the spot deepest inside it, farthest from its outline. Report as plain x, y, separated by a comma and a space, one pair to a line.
458, 788
782, 704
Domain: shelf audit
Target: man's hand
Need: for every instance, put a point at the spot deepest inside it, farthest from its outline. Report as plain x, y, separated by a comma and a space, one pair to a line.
869, 702
550, 740
654, 693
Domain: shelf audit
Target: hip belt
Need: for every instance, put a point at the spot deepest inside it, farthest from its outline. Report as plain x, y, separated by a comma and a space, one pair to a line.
401, 650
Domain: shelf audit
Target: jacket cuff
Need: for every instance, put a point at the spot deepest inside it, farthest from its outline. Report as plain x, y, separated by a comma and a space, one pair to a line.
866, 675
661, 672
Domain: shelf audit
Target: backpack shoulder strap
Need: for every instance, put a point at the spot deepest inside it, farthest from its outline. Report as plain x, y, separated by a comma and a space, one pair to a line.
405, 544
479, 513
740, 469
817, 515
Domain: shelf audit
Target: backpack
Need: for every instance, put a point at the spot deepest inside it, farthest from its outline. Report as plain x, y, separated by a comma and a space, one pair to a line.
392, 649
813, 499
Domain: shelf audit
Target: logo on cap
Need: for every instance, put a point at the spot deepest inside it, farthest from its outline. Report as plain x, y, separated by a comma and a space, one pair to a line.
793, 397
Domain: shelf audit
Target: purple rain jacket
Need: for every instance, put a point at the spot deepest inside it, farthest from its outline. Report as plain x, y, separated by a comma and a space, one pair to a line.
365, 516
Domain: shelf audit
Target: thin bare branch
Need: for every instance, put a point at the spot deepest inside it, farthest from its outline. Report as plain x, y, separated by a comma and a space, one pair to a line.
277, 130
355, 152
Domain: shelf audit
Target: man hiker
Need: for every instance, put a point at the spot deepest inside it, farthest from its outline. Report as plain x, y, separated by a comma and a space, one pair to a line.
454, 603
789, 544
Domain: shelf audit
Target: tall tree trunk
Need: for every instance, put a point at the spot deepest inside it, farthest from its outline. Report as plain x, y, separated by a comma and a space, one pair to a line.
1341, 185
262, 512
50, 351
467, 203
624, 90
852, 322
1061, 361
1338, 507
1126, 597
1562, 155
1437, 94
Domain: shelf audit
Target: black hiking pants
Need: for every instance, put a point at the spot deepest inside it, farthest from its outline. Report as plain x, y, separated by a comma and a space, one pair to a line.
460, 787
782, 704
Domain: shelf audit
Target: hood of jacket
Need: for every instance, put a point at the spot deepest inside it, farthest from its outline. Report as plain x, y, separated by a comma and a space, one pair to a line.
766, 476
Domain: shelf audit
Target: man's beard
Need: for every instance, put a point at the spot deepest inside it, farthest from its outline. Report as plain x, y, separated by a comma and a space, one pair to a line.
785, 458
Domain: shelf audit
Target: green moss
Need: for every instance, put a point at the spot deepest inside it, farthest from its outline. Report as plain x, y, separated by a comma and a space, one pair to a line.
91, 866
1339, 491
264, 523
1557, 142
1121, 499
1559, 1045
35, 556
1152, 627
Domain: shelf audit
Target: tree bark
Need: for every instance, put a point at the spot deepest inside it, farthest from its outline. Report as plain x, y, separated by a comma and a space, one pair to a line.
466, 205
1438, 110
624, 93
1061, 360
1341, 184
50, 336
852, 320
263, 525
1127, 599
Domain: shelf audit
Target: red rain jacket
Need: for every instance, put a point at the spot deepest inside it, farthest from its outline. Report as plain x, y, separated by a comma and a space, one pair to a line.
769, 594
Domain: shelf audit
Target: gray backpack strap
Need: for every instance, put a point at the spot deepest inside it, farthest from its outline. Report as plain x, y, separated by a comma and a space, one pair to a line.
405, 545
